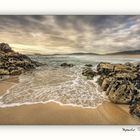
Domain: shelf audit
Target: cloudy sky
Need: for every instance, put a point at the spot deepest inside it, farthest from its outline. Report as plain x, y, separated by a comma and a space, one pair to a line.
71, 34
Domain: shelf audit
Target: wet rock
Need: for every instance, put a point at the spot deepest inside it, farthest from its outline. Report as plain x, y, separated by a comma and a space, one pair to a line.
66, 65
89, 73
88, 65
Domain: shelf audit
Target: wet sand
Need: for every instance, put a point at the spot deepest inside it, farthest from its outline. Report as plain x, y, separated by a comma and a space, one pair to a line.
54, 113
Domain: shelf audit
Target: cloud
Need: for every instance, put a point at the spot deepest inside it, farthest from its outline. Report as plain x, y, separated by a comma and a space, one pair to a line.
68, 34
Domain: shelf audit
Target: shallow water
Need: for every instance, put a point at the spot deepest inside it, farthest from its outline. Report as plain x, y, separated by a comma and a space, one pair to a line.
55, 83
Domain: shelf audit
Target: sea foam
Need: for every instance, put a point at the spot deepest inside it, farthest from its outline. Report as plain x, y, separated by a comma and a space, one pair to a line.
66, 86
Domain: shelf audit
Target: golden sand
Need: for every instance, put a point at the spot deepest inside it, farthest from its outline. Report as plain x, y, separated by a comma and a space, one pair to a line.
54, 113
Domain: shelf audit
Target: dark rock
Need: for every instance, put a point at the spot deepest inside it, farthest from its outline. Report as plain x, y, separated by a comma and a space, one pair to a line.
4, 47
13, 63
121, 82
66, 65
135, 106
89, 73
88, 65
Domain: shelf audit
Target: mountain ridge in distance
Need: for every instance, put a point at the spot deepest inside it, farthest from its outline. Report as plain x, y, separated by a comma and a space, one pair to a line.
131, 52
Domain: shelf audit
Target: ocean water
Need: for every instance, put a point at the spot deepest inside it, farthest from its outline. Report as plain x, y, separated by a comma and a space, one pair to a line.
66, 86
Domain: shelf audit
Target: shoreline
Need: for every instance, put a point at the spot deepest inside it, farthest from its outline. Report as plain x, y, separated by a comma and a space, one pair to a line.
54, 113
57, 102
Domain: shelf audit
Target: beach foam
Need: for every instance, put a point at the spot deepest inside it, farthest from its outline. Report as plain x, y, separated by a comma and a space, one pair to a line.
63, 85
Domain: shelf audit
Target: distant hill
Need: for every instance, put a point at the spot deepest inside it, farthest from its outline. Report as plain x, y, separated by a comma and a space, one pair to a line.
134, 52
65, 54
83, 54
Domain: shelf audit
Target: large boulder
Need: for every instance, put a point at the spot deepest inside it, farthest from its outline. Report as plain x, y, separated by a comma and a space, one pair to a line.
121, 82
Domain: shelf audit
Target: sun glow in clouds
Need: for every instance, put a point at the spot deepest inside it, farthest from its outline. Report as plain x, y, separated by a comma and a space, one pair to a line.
70, 34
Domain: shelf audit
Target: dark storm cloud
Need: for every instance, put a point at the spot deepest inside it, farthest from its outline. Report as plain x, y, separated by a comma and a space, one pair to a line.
60, 34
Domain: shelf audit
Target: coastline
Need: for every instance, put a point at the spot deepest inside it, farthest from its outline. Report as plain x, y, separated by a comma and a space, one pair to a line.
54, 113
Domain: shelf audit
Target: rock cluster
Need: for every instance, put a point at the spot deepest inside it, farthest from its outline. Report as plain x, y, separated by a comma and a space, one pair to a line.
88, 72
121, 82
88, 65
66, 65
13, 63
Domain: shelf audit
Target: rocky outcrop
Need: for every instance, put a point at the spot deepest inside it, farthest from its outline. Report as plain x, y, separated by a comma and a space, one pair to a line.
88, 72
13, 63
66, 65
121, 82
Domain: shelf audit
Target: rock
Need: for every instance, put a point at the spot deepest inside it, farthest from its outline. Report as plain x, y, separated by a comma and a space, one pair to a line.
100, 80
88, 65
126, 76
135, 109
137, 82
15, 72
4, 72
4, 47
135, 105
121, 92
13, 63
66, 65
121, 82
106, 82
129, 64
124, 68
105, 68
89, 73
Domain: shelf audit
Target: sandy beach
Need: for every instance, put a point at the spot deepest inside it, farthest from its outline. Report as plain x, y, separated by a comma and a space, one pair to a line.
54, 113
69, 70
